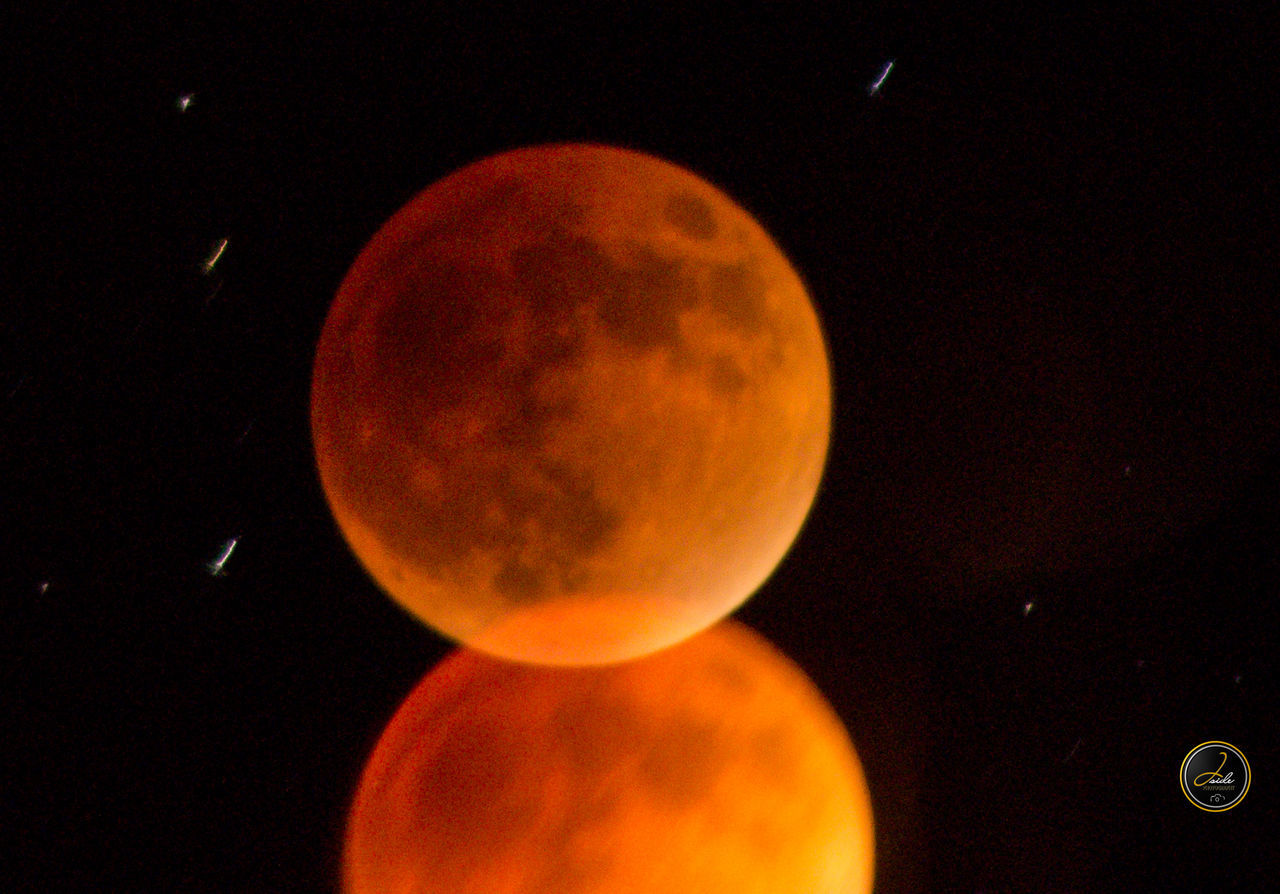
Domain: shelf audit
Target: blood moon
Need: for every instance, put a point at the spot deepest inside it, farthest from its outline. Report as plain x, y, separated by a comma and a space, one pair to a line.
714, 766
571, 405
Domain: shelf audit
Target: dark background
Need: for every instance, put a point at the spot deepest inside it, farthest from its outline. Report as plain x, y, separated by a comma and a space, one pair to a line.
1043, 563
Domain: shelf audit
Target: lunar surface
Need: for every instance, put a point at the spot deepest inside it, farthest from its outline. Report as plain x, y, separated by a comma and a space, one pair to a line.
571, 405
713, 766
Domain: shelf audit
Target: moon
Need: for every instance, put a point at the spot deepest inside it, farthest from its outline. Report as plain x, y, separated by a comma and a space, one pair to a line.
571, 405
715, 765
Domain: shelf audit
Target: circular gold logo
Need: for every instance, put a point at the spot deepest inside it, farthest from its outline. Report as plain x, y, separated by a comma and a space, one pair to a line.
1215, 776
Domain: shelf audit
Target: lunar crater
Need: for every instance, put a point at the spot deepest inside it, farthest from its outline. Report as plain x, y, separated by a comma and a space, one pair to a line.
691, 216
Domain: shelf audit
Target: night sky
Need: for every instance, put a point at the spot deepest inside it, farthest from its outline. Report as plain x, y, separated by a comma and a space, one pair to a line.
1043, 563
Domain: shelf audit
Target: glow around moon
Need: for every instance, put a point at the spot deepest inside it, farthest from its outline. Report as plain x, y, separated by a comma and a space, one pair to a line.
714, 766
571, 405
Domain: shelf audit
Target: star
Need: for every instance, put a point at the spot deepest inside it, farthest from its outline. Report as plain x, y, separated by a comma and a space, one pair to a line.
215, 567
218, 250
884, 73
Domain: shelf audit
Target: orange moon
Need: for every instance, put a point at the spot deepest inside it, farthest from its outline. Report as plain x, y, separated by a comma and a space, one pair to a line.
571, 405
713, 766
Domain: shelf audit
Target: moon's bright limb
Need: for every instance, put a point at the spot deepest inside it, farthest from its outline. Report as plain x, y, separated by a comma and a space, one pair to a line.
714, 766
